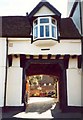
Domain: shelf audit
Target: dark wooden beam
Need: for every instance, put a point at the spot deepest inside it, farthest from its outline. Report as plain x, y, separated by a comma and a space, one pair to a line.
40, 56
49, 56
80, 61
66, 60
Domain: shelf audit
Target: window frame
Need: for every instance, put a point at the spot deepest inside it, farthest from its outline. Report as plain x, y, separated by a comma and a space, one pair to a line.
50, 24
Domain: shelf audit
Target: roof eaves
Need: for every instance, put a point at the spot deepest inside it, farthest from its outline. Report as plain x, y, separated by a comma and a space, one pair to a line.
68, 38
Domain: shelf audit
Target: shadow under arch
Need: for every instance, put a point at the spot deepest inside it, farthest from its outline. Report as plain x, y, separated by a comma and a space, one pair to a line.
49, 67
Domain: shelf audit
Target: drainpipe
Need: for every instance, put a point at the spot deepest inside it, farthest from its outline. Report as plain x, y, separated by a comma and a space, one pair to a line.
6, 73
81, 17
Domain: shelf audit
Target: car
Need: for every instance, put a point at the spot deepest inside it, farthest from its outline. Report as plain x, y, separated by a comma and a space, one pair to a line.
51, 93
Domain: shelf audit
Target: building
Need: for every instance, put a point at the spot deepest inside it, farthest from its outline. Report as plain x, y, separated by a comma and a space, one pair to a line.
40, 43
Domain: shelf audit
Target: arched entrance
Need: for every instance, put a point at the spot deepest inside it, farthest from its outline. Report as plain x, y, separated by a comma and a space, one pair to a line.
49, 67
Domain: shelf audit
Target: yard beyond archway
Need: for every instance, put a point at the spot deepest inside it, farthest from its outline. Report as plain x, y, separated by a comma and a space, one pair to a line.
43, 86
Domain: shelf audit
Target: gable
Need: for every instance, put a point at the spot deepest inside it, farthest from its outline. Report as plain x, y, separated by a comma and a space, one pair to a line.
46, 5
44, 11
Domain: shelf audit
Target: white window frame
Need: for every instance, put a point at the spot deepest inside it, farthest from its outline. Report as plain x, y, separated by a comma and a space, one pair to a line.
50, 24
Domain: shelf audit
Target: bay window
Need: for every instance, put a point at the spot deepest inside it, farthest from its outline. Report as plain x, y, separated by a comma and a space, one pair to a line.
44, 28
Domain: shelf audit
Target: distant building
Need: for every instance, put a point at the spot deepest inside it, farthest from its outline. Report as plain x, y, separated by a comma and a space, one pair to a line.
41, 43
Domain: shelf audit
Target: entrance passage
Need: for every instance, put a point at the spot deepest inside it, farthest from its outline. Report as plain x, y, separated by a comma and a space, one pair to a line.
44, 82
44, 95
47, 79
44, 79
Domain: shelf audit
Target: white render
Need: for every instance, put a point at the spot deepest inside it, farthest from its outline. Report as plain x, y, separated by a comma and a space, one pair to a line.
2, 85
14, 84
61, 48
74, 77
44, 11
3, 52
73, 63
14, 87
74, 87
2, 69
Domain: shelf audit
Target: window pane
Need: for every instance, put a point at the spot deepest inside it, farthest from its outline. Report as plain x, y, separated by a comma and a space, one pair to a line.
35, 32
53, 31
41, 31
47, 31
44, 20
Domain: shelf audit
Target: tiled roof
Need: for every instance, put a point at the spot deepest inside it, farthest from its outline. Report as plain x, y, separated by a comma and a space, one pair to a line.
68, 29
19, 26
15, 26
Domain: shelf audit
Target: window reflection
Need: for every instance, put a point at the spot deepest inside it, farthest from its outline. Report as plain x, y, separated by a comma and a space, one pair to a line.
47, 30
41, 31
44, 20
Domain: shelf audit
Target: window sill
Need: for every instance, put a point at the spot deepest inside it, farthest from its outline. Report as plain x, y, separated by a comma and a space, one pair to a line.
45, 42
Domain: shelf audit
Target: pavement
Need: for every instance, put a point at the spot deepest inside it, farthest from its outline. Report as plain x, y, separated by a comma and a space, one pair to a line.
41, 108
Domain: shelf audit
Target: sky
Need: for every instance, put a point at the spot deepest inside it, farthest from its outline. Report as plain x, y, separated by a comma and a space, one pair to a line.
21, 7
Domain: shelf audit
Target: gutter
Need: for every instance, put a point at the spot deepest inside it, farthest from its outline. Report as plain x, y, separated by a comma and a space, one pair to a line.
6, 73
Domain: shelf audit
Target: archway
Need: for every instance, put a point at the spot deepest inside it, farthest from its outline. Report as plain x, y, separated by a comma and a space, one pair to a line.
50, 67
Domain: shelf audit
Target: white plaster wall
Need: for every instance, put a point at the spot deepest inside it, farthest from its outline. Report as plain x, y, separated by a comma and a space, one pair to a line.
16, 61
2, 51
25, 47
64, 47
2, 69
14, 83
73, 63
74, 83
74, 87
2, 85
14, 86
